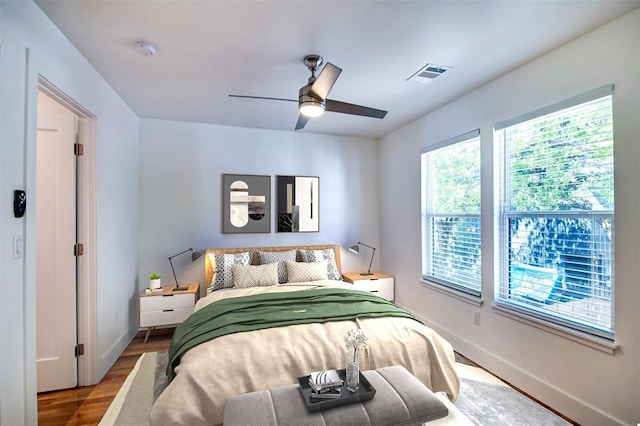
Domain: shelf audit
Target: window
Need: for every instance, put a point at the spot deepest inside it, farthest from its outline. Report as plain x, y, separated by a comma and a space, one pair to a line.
556, 213
451, 213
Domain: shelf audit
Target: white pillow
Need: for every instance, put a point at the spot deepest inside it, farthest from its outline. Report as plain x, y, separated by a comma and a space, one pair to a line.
306, 271
245, 276
326, 254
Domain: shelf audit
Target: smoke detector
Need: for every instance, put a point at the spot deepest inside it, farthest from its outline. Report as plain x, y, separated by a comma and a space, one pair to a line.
429, 72
146, 48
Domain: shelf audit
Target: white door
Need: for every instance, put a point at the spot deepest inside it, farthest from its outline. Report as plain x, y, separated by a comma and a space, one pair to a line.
55, 211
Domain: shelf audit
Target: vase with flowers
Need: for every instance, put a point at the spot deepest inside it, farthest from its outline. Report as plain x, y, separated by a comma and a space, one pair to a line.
355, 341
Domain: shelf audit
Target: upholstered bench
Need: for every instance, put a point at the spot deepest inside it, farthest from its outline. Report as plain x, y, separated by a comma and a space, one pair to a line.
400, 399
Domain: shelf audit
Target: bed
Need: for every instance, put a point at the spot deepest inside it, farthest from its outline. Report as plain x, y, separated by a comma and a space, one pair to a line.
245, 348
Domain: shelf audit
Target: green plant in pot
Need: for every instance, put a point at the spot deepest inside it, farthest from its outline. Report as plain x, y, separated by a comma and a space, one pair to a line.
154, 281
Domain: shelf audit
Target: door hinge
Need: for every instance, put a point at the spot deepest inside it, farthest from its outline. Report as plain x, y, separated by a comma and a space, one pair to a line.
78, 249
79, 349
78, 149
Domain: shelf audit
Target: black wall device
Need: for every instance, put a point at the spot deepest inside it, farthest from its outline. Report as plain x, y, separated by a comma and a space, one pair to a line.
19, 202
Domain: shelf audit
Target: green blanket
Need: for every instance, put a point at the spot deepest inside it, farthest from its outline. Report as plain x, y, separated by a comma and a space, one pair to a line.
260, 311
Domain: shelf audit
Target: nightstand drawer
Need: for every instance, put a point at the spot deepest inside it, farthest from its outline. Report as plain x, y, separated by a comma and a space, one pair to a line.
383, 287
386, 293
166, 317
378, 283
159, 303
374, 285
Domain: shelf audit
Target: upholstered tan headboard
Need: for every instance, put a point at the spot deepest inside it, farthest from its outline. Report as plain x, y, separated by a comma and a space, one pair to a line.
208, 267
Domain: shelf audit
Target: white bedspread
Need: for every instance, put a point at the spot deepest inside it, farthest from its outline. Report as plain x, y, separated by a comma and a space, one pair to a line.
230, 365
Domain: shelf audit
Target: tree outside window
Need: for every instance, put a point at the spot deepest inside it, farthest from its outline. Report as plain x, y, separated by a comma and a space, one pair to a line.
451, 214
556, 215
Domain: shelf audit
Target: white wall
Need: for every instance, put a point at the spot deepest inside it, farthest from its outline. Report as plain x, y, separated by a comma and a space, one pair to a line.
589, 386
30, 46
181, 168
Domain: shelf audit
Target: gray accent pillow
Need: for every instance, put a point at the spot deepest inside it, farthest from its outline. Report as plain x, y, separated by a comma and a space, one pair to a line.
223, 264
279, 257
318, 255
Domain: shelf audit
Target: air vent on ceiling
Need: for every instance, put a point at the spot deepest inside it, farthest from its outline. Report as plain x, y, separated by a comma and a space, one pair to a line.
428, 73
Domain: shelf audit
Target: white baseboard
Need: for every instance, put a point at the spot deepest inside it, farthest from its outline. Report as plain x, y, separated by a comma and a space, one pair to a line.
111, 355
564, 403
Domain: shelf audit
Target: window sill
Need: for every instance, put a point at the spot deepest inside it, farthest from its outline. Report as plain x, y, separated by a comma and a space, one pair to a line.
467, 298
603, 345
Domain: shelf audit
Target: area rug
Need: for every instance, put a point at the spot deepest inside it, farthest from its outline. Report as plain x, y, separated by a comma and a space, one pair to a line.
484, 399
488, 401
132, 404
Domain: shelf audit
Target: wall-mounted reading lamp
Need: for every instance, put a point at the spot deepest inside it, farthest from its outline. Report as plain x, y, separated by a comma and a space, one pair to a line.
356, 249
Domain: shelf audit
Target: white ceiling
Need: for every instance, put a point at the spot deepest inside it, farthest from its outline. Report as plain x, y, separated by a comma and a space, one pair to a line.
209, 49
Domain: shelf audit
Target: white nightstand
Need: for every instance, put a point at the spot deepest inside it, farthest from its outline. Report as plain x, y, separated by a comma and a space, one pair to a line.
167, 307
379, 283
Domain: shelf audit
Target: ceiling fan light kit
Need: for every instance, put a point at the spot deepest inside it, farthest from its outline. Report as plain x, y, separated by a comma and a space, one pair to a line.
311, 108
308, 105
312, 98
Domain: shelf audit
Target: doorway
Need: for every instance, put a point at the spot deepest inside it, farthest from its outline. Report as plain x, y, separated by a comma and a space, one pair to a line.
65, 215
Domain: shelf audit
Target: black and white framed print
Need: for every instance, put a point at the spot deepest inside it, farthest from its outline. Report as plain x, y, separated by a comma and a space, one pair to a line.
298, 203
246, 203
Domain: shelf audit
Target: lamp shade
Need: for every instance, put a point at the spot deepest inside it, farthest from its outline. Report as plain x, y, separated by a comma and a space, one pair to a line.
196, 255
355, 248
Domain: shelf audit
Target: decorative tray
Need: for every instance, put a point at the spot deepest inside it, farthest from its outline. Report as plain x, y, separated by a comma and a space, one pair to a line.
364, 393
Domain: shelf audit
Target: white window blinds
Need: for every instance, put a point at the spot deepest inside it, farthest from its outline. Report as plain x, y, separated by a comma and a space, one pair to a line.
556, 213
451, 213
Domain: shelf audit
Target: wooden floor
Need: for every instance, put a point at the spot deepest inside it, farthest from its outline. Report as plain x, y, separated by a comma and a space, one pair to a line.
86, 405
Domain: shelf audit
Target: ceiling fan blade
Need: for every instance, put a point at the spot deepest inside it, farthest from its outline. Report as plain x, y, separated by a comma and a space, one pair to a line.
347, 108
325, 81
263, 97
302, 121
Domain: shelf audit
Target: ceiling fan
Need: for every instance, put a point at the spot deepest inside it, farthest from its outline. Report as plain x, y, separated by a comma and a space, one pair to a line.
312, 98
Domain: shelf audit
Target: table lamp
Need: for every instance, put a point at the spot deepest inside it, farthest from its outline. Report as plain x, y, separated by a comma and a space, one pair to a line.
356, 249
177, 287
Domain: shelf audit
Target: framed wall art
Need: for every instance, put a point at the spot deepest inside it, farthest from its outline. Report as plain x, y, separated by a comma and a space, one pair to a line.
246, 205
298, 203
